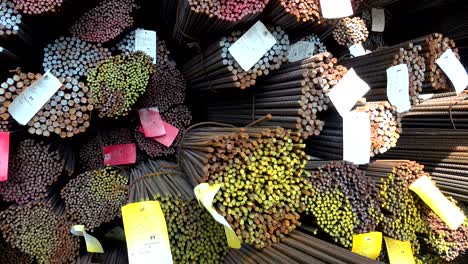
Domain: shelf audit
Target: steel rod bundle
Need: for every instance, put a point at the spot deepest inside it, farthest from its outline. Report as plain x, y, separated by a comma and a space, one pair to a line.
299, 247
113, 254
179, 117
9, 254
10, 18
260, 170
216, 69
376, 39
195, 19
127, 44
343, 201
372, 69
294, 95
194, 235
105, 22
445, 112
118, 82
36, 7
34, 168
95, 197
67, 113
442, 152
350, 31
319, 46
40, 230
406, 217
72, 57
91, 152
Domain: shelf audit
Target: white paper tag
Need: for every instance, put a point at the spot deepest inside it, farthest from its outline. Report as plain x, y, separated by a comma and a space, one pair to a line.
357, 50
336, 8
347, 92
356, 137
398, 87
378, 19
31, 100
251, 47
145, 40
300, 50
454, 70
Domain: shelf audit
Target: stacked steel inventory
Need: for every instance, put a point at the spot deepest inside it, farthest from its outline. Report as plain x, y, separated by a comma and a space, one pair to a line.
216, 69
294, 95
196, 19
194, 235
350, 31
35, 7
372, 69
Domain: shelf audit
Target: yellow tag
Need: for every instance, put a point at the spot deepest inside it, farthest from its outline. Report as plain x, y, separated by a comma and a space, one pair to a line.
205, 194
146, 233
399, 252
368, 245
436, 200
92, 244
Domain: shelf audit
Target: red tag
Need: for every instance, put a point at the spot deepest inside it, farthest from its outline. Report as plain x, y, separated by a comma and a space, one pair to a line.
120, 154
4, 155
168, 139
151, 122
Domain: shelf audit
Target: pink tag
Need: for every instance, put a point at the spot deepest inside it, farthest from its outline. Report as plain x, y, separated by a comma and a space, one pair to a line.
171, 134
168, 139
151, 122
120, 154
4, 155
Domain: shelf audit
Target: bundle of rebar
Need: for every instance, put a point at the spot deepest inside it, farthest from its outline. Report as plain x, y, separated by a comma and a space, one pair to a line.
9, 254
260, 170
216, 69
91, 152
294, 16
319, 46
166, 88
448, 112
67, 113
115, 254
10, 18
33, 169
118, 82
294, 95
72, 57
300, 247
376, 39
406, 217
195, 237
36, 7
40, 230
179, 117
195, 19
442, 152
372, 69
343, 201
350, 31
105, 22
95, 197
127, 44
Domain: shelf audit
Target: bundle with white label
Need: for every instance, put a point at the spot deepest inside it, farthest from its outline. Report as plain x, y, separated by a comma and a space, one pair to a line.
350, 31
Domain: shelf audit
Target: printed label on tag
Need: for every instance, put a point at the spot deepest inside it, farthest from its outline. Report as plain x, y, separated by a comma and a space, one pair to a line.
399, 252
378, 19
357, 50
145, 40
301, 50
368, 245
398, 87
454, 70
120, 154
336, 8
356, 137
151, 122
92, 244
33, 98
251, 47
4, 155
435, 199
347, 92
146, 233
205, 194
